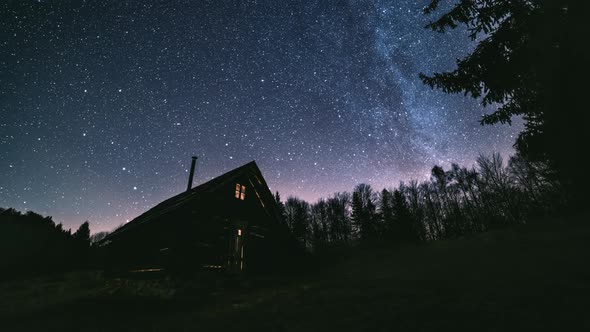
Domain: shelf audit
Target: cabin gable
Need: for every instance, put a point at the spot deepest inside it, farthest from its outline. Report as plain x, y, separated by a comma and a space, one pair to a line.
230, 222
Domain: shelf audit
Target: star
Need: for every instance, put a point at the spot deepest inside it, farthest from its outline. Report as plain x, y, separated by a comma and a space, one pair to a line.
323, 97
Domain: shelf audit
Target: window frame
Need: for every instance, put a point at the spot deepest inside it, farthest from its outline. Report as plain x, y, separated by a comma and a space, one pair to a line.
240, 191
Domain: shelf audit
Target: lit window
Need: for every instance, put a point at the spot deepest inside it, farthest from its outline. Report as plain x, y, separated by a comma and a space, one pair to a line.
240, 191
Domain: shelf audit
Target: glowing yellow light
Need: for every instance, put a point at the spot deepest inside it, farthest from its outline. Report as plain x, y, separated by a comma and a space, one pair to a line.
240, 191
238, 186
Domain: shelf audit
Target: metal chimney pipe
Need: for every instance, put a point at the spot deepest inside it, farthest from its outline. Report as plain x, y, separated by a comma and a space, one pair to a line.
190, 177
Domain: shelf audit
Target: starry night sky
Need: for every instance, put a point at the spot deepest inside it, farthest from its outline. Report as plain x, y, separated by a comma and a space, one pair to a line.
102, 103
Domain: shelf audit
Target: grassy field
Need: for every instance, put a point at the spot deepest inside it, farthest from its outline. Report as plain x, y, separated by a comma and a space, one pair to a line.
532, 277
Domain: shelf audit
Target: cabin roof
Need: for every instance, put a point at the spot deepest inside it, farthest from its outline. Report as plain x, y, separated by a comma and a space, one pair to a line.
196, 193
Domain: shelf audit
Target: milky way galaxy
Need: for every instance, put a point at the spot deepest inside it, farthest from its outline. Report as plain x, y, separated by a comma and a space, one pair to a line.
102, 103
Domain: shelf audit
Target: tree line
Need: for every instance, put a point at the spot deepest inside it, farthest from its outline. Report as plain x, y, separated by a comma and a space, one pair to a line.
453, 202
31, 244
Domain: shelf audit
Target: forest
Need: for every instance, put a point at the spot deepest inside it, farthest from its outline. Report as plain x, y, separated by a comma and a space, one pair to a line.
31, 244
454, 202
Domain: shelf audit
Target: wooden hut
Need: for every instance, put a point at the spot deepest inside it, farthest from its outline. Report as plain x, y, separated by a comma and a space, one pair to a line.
231, 222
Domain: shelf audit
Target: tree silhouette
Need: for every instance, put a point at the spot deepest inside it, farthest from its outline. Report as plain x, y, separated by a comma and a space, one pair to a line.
298, 219
364, 214
387, 216
82, 240
453, 202
339, 218
33, 244
407, 230
528, 62
83, 234
319, 225
280, 205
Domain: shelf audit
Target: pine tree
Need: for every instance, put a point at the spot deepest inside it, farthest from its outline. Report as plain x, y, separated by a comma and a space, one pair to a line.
530, 60
83, 234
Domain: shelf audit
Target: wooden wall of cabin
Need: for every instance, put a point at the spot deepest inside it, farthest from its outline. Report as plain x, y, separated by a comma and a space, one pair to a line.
269, 245
197, 234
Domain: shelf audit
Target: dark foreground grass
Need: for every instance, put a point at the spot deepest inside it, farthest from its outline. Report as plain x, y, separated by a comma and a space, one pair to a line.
533, 278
